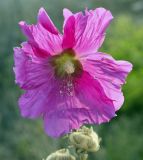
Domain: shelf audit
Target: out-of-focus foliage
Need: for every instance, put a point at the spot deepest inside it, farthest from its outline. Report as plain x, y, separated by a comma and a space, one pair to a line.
25, 139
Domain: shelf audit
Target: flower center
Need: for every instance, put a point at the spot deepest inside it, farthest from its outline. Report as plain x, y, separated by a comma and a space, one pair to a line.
66, 64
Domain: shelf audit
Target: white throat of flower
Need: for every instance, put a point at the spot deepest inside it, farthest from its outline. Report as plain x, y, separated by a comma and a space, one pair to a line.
69, 67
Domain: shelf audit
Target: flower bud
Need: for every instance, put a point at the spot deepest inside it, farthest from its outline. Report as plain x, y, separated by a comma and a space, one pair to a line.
85, 139
62, 154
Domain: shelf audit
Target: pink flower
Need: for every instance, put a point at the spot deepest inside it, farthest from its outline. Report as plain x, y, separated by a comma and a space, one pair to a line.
67, 81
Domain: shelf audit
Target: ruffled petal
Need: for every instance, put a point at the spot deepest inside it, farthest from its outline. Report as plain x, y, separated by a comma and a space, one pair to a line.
90, 93
34, 51
20, 60
90, 29
65, 112
46, 22
74, 26
111, 74
87, 105
29, 74
59, 112
62, 122
43, 35
32, 103
69, 31
66, 13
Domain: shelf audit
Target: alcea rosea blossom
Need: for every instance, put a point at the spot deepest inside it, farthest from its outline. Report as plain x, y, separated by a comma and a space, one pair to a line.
68, 82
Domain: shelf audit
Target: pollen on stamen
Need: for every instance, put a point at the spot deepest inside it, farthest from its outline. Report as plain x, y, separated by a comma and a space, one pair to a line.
69, 67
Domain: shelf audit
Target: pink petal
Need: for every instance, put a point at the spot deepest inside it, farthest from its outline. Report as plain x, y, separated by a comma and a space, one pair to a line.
91, 94
56, 125
110, 73
41, 35
32, 103
29, 74
62, 122
64, 112
34, 50
20, 60
69, 31
60, 111
26, 47
73, 28
27, 30
66, 13
90, 30
46, 22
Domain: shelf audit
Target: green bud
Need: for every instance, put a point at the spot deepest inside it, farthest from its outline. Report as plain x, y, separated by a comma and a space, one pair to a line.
62, 154
85, 139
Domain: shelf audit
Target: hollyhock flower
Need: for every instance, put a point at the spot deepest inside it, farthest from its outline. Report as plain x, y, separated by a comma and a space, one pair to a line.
67, 81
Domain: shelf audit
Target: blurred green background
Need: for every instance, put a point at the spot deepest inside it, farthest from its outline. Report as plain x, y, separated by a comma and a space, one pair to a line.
122, 138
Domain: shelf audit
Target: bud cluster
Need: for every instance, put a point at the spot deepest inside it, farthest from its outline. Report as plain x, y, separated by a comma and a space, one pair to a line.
83, 141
